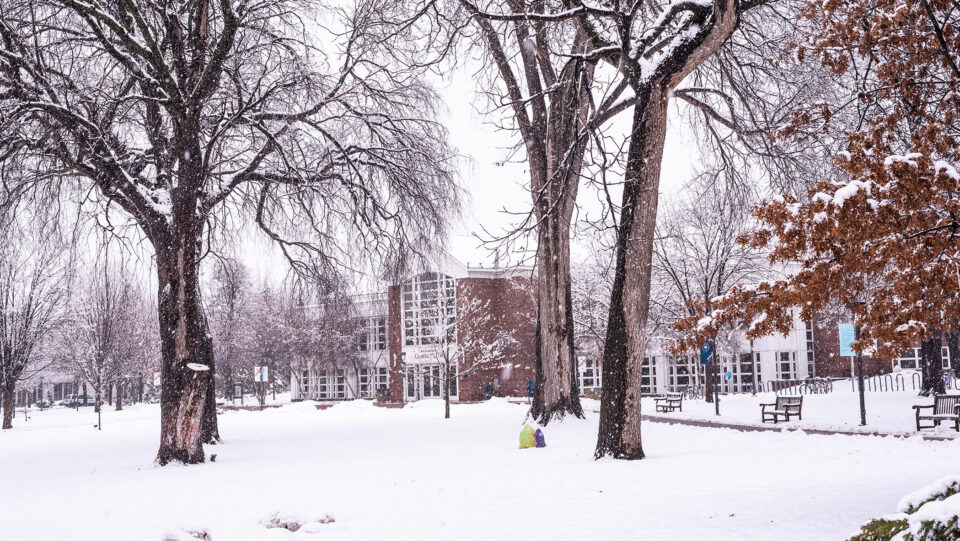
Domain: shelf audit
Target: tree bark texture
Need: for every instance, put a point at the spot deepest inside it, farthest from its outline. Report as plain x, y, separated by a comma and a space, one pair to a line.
932, 365
619, 433
626, 341
9, 405
184, 340
555, 183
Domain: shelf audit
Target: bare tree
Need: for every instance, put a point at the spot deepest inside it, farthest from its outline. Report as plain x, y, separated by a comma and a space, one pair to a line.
99, 339
653, 46
546, 75
195, 117
33, 283
229, 304
697, 255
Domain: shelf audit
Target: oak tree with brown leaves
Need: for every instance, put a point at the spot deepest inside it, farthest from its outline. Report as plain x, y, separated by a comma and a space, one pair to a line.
884, 241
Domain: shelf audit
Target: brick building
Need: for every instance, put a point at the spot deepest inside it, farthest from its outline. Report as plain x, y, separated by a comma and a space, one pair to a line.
479, 321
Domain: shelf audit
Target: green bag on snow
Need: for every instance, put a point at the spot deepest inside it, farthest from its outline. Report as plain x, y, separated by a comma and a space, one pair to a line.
527, 437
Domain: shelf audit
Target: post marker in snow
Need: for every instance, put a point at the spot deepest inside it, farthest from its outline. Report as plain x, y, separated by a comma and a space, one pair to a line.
848, 334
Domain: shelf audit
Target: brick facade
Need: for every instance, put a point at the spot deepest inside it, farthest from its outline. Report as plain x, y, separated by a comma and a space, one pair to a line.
508, 308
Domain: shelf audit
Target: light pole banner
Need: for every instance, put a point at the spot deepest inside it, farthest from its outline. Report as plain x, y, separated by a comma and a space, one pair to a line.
846, 339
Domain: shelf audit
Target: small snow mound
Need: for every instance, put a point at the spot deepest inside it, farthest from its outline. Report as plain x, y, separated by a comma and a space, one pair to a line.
197, 367
188, 535
317, 526
292, 521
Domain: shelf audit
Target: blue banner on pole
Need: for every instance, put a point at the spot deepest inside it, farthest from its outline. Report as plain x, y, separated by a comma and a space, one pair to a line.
846, 339
706, 352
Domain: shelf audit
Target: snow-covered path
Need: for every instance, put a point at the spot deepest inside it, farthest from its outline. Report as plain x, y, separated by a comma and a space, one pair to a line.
409, 474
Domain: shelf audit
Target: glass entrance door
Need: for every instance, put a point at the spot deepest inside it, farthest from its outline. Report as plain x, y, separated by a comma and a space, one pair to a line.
431, 381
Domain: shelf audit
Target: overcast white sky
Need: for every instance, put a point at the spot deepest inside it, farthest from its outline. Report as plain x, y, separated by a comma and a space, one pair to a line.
493, 186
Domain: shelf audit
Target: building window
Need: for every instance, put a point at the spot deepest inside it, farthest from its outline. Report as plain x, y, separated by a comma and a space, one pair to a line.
372, 334
681, 373
63, 390
786, 365
589, 371
648, 376
339, 384
945, 356
429, 309
305, 384
811, 357
909, 359
323, 385
382, 378
743, 376
366, 390
372, 380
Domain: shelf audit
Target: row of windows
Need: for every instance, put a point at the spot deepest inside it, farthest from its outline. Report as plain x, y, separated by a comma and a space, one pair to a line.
429, 309
372, 334
910, 358
684, 371
332, 384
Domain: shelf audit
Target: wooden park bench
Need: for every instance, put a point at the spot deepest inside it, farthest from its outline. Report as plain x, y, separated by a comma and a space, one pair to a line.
946, 407
785, 406
669, 402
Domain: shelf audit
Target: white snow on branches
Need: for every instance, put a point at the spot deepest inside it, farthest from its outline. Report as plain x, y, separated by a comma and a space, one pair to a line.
909, 159
843, 194
942, 166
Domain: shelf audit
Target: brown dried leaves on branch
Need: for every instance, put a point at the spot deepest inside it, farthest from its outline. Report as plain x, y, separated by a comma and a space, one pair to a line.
885, 242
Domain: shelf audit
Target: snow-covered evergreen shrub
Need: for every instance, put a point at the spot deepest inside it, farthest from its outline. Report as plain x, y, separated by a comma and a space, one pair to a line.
929, 514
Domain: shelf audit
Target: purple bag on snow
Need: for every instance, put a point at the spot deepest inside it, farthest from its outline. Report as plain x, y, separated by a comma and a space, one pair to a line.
538, 435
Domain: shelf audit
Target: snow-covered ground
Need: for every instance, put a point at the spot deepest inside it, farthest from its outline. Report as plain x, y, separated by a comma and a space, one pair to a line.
409, 474
888, 412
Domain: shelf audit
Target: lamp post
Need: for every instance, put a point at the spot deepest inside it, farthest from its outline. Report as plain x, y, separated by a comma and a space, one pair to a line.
863, 407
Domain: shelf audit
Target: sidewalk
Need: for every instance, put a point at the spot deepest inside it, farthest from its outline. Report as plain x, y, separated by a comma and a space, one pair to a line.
786, 427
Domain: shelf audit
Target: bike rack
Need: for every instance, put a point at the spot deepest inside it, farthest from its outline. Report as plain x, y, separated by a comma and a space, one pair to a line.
915, 380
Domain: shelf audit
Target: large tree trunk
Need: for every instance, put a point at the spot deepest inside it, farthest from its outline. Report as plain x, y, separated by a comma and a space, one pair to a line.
953, 346
556, 392
8, 405
184, 341
932, 365
626, 340
119, 395
555, 184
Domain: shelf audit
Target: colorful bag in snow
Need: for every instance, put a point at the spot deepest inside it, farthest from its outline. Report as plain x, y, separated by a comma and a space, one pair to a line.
527, 438
538, 436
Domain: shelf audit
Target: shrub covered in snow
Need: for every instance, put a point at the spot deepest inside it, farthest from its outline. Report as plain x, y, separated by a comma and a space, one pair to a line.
929, 514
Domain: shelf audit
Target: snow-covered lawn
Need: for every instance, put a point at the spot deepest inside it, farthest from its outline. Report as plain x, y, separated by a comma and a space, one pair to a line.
409, 474
887, 412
